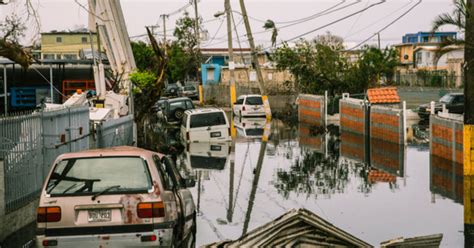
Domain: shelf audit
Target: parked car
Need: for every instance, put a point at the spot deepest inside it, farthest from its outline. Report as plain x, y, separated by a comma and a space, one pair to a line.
249, 105
115, 197
250, 127
454, 103
173, 109
159, 104
171, 90
205, 125
189, 91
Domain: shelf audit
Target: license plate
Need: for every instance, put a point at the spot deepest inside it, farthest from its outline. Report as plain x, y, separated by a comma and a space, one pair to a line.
100, 215
257, 108
215, 134
216, 148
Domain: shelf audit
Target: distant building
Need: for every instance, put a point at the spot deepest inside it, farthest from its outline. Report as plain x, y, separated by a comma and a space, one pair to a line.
66, 45
422, 52
427, 40
428, 37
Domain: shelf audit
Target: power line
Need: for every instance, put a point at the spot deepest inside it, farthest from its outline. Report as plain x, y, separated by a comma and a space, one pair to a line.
217, 31
388, 25
333, 22
379, 20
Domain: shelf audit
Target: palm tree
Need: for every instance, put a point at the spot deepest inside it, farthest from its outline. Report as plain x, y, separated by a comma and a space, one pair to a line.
458, 19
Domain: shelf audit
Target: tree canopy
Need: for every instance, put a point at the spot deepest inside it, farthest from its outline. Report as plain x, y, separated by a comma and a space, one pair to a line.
323, 64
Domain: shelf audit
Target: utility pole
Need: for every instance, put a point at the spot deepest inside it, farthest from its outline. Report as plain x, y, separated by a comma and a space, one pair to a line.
468, 132
164, 32
231, 53
378, 39
198, 41
255, 59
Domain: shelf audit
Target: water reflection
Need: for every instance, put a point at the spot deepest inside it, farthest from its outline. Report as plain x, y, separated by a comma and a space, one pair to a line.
335, 174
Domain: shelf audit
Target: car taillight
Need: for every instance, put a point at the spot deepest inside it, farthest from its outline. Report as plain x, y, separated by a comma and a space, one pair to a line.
187, 136
243, 124
151, 209
243, 108
48, 214
148, 238
50, 242
229, 131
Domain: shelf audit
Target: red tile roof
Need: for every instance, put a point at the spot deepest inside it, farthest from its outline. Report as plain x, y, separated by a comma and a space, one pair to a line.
383, 95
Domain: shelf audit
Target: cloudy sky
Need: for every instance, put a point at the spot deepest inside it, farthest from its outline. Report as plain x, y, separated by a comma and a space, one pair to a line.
68, 14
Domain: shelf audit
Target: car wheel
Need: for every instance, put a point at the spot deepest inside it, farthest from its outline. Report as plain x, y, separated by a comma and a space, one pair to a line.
178, 114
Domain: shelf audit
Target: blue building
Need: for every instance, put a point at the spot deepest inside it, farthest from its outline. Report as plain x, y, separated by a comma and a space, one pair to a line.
428, 37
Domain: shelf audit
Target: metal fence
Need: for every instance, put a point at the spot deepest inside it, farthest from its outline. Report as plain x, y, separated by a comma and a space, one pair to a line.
30, 142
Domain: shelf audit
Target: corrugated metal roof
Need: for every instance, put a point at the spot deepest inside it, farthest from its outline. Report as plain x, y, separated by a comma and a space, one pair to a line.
296, 228
383, 95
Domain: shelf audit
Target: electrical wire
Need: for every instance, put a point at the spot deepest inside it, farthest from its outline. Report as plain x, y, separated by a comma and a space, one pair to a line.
388, 25
213, 37
50, 83
379, 20
331, 23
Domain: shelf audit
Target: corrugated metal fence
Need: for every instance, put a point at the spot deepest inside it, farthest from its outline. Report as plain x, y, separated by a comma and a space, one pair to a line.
30, 142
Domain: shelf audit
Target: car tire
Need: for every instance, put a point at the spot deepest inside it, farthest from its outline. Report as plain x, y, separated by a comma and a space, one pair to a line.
178, 114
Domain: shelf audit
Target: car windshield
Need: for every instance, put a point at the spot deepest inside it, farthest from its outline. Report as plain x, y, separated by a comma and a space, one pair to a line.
254, 100
446, 99
176, 105
208, 119
189, 88
88, 176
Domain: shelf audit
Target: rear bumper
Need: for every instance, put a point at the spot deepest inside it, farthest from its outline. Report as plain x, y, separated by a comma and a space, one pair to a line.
83, 237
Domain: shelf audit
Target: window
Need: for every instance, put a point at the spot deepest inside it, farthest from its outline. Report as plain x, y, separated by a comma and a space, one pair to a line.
176, 105
87, 176
188, 88
419, 58
446, 98
184, 122
254, 100
84, 39
428, 55
70, 56
48, 56
240, 101
189, 105
207, 119
58, 56
59, 39
165, 177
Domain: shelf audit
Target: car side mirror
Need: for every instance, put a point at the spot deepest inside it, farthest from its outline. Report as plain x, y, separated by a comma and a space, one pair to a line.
189, 183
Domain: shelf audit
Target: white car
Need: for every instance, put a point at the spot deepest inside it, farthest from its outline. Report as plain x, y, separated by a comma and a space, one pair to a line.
205, 125
249, 105
250, 127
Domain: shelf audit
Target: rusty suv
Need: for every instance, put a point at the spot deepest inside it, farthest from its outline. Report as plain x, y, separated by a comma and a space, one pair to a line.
115, 197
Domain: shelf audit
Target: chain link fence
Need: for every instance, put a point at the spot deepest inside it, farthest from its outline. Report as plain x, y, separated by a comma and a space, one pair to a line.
31, 141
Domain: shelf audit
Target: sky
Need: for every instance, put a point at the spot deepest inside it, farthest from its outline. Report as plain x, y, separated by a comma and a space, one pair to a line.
68, 14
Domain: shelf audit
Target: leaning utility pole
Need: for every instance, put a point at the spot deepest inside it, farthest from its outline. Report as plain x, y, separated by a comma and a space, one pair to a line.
468, 131
198, 40
231, 53
255, 59
252, 48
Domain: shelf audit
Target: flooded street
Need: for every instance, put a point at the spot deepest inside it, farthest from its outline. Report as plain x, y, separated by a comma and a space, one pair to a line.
395, 194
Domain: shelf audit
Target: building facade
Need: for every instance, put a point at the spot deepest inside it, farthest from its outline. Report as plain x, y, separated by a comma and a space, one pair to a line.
66, 45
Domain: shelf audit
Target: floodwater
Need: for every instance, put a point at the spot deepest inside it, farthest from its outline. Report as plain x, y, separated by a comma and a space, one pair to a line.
373, 190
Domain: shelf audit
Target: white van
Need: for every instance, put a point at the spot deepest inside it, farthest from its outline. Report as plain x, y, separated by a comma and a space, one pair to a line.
205, 125
249, 105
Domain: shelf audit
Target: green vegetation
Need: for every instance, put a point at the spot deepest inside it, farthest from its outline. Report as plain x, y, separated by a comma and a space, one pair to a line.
323, 64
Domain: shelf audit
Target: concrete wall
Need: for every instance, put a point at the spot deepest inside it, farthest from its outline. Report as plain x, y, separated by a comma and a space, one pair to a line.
353, 116
311, 109
387, 124
220, 96
446, 157
274, 80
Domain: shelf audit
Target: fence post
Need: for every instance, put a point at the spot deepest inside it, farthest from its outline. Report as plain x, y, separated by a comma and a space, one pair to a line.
404, 127
325, 109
